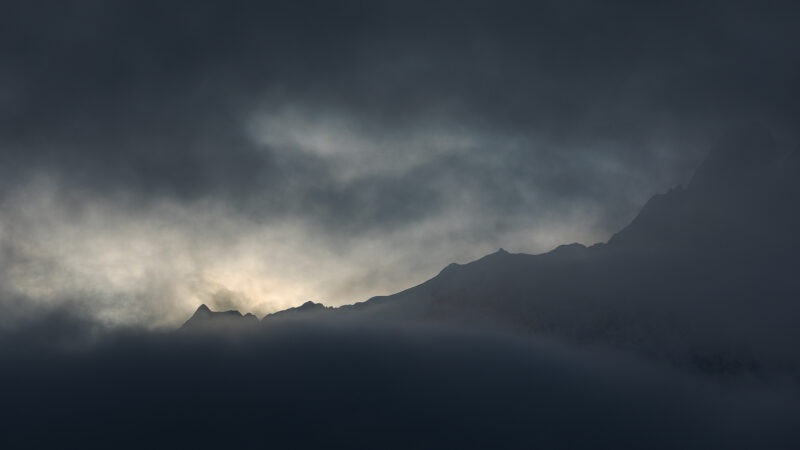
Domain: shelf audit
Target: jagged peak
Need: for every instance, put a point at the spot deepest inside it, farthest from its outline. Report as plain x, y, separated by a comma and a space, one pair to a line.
250, 317
499, 253
202, 310
205, 317
450, 267
307, 307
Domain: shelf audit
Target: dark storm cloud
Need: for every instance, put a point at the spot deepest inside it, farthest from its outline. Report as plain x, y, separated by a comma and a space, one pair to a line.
142, 142
150, 98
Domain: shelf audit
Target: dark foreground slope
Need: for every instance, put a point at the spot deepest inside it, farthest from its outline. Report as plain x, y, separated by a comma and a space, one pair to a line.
326, 386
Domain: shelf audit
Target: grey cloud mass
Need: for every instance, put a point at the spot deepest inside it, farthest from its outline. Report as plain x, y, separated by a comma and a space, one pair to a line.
154, 155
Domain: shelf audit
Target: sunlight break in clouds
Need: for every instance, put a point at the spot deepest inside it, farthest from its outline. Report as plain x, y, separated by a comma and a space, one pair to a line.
154, 264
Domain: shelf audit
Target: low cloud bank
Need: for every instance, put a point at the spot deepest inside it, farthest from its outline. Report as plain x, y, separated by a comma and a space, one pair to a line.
350, 384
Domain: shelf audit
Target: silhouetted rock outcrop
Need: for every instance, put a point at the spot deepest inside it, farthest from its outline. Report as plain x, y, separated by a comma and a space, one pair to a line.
204, 319
307, 310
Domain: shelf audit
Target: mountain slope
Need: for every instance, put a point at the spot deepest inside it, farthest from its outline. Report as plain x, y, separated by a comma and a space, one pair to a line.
704, 274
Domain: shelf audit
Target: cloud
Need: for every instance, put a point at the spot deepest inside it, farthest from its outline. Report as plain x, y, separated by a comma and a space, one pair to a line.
382, 133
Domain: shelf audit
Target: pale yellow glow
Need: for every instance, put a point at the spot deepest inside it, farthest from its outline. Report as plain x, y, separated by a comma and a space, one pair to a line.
154, 264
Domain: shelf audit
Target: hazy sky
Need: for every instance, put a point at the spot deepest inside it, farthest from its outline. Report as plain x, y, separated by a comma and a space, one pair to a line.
255, 155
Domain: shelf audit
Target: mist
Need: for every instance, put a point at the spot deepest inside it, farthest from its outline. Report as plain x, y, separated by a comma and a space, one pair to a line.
318, 383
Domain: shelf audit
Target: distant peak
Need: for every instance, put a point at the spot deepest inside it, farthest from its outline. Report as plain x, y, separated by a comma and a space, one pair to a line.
308, 306
297, 311
500, 253
450, 267
204, 317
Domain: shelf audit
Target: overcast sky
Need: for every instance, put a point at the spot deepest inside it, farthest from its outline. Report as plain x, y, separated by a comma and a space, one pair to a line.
254, 155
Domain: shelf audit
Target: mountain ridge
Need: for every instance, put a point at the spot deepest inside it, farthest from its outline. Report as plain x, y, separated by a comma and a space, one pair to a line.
697, 264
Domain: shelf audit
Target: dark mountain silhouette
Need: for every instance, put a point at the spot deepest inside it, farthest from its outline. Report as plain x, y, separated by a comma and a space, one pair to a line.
203, 318
306, 310
704, 275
